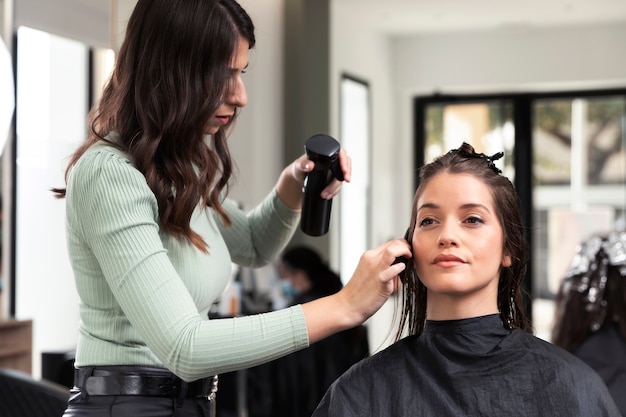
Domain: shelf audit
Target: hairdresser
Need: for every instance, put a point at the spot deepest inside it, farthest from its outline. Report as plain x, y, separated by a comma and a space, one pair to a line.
152, 233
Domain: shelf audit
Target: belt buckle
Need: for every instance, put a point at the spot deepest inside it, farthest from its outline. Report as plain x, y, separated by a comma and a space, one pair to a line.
212, 394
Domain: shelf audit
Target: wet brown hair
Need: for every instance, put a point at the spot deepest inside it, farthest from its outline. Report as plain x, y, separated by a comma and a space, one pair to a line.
465, 160
170, 76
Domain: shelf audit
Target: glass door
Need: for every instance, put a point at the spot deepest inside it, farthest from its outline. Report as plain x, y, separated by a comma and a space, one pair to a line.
579, 185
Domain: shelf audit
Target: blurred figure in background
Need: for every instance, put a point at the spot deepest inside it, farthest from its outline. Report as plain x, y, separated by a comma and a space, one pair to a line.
305, 276
590, 318
298, 381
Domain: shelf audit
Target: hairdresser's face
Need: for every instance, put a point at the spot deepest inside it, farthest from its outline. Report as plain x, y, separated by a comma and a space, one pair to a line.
237, 96
458, 247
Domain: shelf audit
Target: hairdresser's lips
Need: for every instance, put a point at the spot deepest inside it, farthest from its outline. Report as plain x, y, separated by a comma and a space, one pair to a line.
447, 261
223, 119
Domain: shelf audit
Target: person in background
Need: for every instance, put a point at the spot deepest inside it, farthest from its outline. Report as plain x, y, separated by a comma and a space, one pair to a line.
299, 380
305, 276
293, 385
152, 233
464, 344
590, 318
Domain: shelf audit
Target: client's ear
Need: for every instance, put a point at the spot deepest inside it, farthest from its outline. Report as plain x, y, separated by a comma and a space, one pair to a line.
506, 261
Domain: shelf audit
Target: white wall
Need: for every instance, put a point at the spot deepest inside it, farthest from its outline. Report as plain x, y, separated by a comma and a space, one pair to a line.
504, 60
86, 21
256, 141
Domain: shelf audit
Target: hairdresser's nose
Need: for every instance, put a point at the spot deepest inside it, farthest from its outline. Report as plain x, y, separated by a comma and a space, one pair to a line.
238, 96
447, 236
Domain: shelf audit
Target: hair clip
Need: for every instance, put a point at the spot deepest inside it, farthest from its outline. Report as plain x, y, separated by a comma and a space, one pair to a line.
490, 159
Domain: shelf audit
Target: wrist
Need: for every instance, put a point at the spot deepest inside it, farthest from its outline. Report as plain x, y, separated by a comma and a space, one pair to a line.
289, 189
326, 316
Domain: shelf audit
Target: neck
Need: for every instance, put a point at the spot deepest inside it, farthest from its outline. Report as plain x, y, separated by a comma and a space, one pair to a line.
455, 307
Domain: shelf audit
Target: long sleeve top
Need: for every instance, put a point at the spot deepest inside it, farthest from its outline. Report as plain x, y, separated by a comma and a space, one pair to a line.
144, 293
470, 367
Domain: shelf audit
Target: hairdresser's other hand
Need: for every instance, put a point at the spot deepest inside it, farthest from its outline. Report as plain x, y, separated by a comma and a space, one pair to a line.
374, 280
289, 186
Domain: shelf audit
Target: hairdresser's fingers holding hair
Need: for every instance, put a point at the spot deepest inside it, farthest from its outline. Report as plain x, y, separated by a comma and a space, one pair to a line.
375, 277
374, 280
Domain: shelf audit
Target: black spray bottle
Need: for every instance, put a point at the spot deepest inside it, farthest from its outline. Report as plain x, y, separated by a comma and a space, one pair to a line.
324, 151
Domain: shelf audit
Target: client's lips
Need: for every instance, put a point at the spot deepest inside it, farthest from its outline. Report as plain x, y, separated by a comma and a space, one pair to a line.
447, 260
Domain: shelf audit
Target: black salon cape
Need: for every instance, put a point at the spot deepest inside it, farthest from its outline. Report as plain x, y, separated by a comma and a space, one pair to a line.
605, 352
470, 367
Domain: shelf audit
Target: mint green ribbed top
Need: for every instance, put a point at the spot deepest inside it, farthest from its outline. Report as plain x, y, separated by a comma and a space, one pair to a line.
144, 294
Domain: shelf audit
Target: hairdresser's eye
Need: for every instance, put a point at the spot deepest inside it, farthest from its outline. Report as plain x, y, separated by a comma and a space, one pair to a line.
426, 221
474, 220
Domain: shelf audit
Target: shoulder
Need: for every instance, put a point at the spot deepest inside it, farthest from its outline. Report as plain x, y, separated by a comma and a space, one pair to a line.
551, 358
380, 377
382, 365
103, 165
102, 156
105, 177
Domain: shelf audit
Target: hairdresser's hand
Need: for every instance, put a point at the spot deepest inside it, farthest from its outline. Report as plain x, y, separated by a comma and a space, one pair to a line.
345, 162
289, 186
373, 282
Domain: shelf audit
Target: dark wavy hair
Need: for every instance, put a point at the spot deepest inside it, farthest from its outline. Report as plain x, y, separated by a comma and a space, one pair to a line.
170, 76
465, 160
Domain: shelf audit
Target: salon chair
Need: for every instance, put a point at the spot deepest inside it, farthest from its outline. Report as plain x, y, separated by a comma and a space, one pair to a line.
21, 395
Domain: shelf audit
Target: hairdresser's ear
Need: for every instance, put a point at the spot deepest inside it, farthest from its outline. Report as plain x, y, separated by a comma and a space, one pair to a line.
506, 261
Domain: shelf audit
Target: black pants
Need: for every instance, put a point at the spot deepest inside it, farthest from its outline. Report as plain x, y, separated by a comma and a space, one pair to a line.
136, 406
83, 405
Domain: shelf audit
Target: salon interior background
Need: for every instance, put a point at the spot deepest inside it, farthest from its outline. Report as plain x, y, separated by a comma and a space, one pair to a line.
304, 49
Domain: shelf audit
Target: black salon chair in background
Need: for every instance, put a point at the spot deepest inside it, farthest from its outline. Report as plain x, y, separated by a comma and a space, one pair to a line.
21, 395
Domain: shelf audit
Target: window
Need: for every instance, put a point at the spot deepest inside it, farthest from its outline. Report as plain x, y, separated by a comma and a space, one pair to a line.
354, 208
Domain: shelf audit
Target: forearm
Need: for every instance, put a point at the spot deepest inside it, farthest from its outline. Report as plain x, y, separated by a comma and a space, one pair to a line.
373, 281
329, 315
256, 238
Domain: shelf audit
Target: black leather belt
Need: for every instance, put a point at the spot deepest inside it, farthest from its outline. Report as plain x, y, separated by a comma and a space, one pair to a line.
139, 380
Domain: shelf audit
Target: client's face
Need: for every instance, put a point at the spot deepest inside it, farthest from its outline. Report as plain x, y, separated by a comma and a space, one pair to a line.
458, 244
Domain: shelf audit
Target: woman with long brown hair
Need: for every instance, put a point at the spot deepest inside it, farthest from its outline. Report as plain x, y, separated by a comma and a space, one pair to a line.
152, 233
468, 349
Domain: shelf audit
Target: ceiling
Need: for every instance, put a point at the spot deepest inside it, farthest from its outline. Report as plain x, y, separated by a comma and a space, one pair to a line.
397, 17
